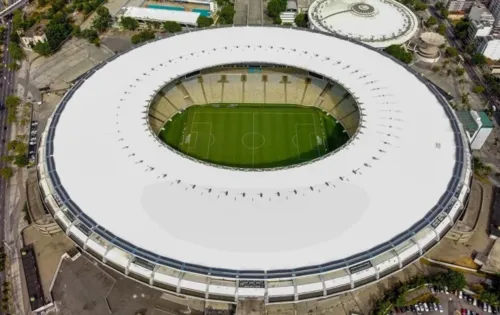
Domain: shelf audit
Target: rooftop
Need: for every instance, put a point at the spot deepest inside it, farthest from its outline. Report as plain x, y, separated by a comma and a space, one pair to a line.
134, 187
156, 15
379, 23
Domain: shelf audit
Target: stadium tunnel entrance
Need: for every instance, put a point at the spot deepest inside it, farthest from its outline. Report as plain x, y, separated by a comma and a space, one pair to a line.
254, 116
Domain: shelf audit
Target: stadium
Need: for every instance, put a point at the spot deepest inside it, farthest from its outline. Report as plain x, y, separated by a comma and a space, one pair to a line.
378, 23
254, 162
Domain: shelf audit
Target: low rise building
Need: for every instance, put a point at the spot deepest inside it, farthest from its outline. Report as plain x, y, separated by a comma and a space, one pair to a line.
34, 35
144, 15
482, 22
459, 5
477, 126
489, 46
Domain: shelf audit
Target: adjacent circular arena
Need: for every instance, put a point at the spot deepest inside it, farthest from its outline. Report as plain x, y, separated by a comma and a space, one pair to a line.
378, 23
293, 233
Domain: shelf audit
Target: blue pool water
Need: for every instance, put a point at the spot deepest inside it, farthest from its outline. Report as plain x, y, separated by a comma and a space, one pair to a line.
202, 12
164, 7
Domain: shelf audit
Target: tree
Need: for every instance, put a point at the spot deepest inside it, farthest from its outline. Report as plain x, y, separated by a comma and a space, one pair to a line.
172, 27
419, 6
12, 101
441, 29
129, 23
274, 8
436, 69
479, 59
459, 71
142, 37
6, 172
103, 19
454, 280
399, 53
204, 21
431, 21
16, 52
461, 28
451, 51
227, 14
444, 13
301, 20
478, 89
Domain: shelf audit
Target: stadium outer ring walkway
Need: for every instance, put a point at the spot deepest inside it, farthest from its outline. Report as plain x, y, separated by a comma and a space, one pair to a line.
292, 283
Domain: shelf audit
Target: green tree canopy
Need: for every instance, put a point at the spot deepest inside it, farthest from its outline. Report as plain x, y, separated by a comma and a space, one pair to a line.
129, 23
301, 20
441, 29
479, 59
227, 14
431, 21
16, 52
399, 53
6, 172
451, 51
478, 89
419, 6
103, 19
172, 27
142, 37
204, 21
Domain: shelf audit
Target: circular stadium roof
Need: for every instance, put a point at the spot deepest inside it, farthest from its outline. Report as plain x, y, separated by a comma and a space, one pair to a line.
379, 23
392, 174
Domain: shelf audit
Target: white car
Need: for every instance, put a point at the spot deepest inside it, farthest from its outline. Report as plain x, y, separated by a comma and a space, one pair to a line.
440, 308
446, 289
426, 307
474, 302
489, 309
485, 307
460, 295
435, 306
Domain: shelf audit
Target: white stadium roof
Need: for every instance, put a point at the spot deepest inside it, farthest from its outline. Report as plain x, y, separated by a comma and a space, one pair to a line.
393, 172
379, 23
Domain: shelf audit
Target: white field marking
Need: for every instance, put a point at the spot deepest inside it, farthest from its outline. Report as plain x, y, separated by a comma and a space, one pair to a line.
322, 131
297, 134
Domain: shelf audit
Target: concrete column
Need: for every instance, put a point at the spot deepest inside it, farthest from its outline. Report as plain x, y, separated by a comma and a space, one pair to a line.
400, 262
350, 278
206, 290
128, 265
323, 284
151, 278
295, 292
437, 234
266, 294
420, 251
178, 289
105, 253
377, 275
236, 290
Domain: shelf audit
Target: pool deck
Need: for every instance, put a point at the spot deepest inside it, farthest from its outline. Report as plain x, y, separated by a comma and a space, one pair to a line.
187, 6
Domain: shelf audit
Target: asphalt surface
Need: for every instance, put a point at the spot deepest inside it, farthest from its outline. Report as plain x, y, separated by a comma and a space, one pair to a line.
7, 88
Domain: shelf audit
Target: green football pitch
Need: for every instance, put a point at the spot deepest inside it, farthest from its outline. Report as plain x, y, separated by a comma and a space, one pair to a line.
253, 136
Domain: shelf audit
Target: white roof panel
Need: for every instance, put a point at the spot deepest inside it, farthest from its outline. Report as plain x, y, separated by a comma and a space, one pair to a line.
160, 15
379, 23
387, 178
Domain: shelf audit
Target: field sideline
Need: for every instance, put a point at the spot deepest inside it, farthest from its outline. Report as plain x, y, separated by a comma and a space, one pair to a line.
253, 136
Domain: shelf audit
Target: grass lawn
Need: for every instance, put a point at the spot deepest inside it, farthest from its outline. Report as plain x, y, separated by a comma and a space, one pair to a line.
253, 136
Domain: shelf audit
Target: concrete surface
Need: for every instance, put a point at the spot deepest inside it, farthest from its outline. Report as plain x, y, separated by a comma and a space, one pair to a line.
75, 58
48, 252
463, 253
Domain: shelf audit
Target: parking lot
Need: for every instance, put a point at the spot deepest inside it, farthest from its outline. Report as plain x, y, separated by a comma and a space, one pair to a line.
446, 302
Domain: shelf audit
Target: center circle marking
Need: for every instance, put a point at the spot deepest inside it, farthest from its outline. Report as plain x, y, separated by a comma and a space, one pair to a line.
253, 140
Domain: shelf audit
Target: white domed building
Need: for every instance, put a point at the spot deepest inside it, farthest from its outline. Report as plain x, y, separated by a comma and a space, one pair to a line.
378, 23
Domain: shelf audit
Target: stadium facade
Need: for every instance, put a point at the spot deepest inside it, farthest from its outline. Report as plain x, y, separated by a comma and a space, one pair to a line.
286, 235
378, 23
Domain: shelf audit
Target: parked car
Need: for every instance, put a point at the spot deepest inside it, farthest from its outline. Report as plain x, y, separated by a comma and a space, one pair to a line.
446, 290
494, 309
474, 302
426, 307
417, 308
440, 308
485, 307
489, 309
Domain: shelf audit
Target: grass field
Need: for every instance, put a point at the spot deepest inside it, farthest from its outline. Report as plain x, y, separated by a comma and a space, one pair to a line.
253, 136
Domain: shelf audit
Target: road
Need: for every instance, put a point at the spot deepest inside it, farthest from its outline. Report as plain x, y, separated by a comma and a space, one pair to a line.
474, 74
7, 88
